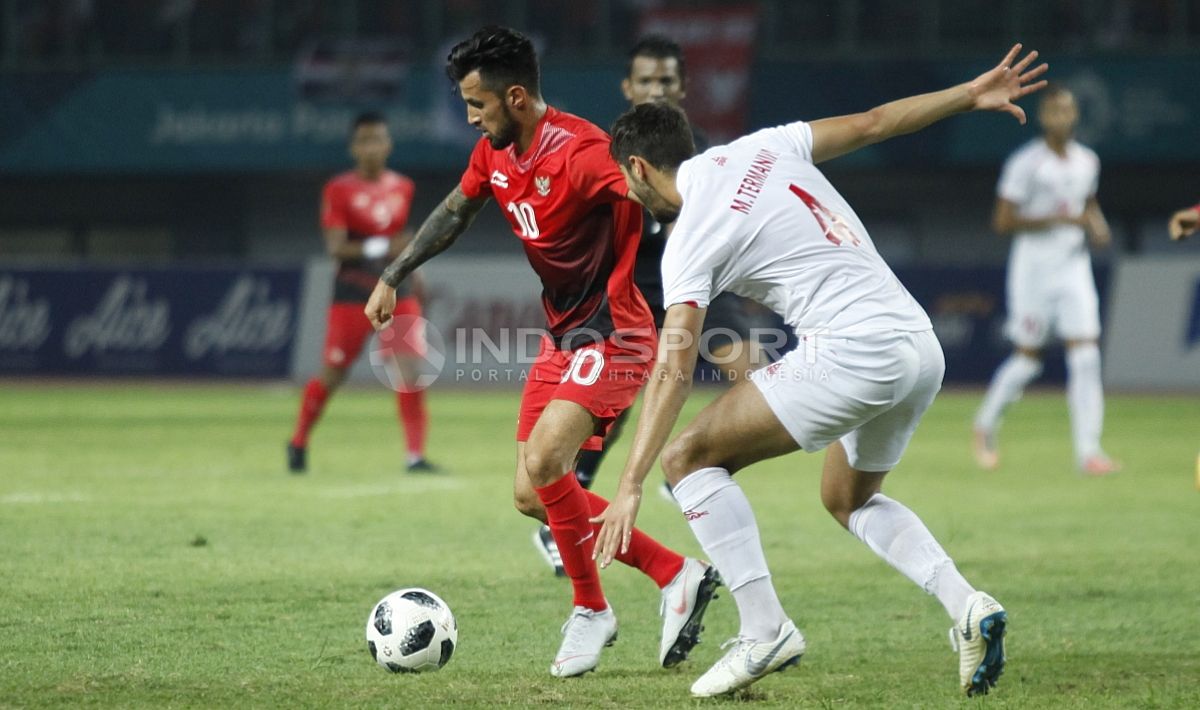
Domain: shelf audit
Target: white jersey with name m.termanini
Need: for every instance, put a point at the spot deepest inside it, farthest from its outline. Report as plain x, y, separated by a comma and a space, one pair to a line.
760, 220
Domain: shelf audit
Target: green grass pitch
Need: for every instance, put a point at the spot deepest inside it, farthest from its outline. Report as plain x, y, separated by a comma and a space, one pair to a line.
155, 554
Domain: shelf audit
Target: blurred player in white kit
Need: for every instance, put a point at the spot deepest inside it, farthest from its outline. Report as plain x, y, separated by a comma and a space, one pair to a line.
1046, 199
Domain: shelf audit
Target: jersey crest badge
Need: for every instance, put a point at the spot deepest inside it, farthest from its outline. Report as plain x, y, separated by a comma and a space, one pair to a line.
543, 185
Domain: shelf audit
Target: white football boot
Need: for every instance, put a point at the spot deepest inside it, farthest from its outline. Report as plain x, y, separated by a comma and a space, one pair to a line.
979, 639
684, 602
585, 635
750, 660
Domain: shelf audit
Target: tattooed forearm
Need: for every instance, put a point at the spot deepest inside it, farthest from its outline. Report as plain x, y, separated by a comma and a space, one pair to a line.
448, 220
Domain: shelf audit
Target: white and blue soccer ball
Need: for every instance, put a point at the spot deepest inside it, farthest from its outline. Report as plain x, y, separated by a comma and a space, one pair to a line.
411, 631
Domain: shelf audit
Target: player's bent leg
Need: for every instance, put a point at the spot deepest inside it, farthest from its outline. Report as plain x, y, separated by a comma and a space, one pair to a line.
734, 431
898, 536
547, 456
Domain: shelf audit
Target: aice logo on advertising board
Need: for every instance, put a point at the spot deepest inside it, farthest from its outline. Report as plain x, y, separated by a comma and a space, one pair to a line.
24, 321
247, 320
126, 319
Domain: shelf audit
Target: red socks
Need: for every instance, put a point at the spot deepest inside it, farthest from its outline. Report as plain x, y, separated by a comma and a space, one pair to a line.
416, 421
311, 405
411, 406
567, 513
655, 560
568, 507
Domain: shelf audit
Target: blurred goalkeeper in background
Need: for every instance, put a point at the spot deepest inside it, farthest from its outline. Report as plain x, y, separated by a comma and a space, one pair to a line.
363, 217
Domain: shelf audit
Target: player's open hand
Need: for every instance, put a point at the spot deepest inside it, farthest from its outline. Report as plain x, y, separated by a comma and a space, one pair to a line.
617, 522
998, 88
381, 305
1183, 224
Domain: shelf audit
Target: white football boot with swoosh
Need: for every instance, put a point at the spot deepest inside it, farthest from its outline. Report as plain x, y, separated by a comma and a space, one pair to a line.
749, 660
585, 635
979, 639
684, 602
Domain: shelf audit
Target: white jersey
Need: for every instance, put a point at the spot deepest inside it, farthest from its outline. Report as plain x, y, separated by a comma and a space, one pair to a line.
760, 220
1043, 184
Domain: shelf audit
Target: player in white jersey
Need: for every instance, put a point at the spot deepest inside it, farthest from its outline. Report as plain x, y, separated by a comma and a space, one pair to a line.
756, 217
1047, 201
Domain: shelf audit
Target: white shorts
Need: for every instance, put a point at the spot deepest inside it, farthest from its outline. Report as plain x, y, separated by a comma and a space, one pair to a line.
1063, 304
868, 391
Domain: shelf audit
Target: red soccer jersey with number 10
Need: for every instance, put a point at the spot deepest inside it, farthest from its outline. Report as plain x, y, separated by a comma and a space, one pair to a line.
565, 199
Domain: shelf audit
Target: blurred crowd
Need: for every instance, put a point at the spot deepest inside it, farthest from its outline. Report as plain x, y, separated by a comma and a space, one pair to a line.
96, 32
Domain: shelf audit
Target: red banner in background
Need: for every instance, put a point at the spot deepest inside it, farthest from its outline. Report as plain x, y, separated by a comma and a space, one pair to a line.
718, 44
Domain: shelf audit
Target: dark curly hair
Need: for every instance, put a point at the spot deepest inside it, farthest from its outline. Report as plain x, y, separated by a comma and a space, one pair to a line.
503, 57
657, 132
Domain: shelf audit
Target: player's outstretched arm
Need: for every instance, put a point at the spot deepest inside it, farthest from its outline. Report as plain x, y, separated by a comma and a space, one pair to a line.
995, 90
444, 225
1184, 223
668, 389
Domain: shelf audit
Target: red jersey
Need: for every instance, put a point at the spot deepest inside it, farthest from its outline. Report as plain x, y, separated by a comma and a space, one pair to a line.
365, 208
566, 201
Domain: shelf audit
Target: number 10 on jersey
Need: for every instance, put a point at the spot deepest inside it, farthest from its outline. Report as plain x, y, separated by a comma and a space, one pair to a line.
526, 219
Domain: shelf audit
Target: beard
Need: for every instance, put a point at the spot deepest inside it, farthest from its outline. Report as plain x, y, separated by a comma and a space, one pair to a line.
659, 209
507, 133
664, 214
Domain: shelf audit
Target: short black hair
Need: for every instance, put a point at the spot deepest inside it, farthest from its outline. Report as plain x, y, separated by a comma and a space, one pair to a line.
1053, 91
367, 118
657, 47
657, 132
503, 57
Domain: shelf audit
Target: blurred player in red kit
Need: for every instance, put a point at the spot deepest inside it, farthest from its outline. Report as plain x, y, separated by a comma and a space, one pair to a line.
565, 199
363, 213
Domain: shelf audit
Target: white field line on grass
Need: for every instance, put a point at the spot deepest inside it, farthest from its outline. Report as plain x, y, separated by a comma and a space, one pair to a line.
25, 497
406, 486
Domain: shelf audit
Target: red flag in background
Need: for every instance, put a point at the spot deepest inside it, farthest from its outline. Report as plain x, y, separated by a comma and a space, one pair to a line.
718, 44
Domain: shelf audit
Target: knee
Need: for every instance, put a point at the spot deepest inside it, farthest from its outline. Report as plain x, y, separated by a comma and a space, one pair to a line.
543, 469
685, 454
526, 502
842, 503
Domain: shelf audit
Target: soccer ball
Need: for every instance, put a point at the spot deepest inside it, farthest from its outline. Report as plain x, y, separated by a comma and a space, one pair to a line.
411, 631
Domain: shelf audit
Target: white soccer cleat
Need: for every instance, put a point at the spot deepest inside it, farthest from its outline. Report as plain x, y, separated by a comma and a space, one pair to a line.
749, 660
979, 639
585, 635
684, 602
987, 453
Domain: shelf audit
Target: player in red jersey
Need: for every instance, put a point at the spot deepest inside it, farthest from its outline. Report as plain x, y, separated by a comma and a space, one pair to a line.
566, 201
363, 213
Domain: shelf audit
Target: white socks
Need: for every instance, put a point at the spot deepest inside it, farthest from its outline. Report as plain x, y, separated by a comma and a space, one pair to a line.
723, 523
1085, 399
897, 535
1007, 385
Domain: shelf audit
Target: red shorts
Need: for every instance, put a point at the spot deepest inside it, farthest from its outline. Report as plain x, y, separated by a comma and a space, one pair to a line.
604, 379
348, 330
